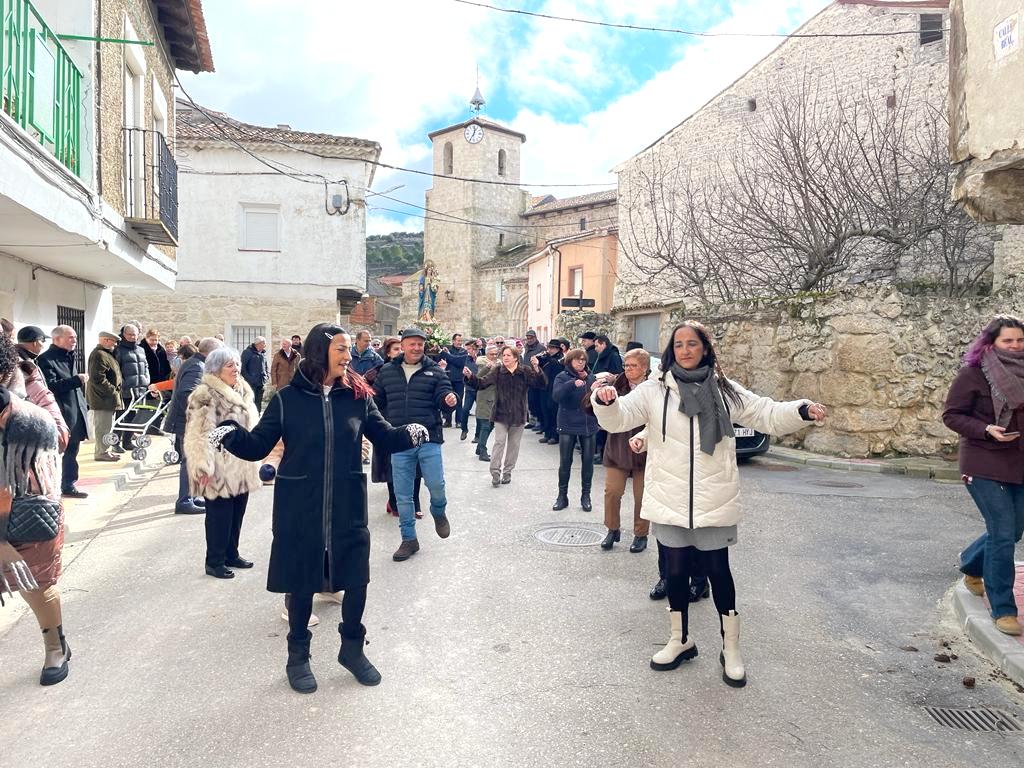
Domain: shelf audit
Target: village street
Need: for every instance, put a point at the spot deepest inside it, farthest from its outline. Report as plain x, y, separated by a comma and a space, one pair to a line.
497, 649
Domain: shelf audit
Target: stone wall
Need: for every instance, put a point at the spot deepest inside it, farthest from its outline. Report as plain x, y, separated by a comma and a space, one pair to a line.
570, 325
882, 361
197, 315
111, 121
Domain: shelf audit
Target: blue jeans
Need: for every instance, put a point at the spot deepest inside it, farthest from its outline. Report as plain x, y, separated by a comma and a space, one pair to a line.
991, 554
467, 405
403, 472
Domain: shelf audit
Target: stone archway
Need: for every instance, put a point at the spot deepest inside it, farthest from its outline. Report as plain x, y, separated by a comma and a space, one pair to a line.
517, 315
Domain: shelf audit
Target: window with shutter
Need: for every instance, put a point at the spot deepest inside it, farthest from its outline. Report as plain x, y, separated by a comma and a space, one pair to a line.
260, 228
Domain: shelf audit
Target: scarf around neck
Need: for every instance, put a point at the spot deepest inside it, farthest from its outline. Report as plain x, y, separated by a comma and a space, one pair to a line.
1004, 372
700, 395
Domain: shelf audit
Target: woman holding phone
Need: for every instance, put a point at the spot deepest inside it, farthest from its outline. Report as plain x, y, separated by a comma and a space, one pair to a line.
985, 406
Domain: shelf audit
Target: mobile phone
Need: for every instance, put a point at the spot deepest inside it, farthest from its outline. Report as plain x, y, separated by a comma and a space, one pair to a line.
1011, 434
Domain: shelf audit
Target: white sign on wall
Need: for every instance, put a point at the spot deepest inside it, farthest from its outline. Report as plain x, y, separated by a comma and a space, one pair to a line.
1006, 37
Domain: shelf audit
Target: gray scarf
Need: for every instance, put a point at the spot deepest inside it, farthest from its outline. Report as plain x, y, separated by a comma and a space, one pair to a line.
1005, 374
700, 395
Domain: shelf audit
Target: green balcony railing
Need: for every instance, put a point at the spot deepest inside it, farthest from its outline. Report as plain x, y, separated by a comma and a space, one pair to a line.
40, 86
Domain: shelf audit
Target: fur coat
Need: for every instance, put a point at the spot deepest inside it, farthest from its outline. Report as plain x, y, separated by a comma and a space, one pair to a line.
210, 403
29, 464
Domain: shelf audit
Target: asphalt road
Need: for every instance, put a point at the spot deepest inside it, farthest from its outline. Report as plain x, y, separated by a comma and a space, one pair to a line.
499, 650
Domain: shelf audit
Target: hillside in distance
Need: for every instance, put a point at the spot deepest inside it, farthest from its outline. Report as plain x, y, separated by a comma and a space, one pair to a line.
399, 253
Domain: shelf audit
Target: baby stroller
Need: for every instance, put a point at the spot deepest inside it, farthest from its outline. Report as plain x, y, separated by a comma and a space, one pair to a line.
139, 420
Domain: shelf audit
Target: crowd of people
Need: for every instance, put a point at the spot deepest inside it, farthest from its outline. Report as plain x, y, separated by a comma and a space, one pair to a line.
664, 423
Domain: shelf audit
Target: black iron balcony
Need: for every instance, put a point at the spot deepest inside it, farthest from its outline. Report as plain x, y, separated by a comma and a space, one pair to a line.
151, 186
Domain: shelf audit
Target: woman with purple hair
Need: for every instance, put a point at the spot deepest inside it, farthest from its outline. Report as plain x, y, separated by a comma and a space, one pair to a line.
985, 406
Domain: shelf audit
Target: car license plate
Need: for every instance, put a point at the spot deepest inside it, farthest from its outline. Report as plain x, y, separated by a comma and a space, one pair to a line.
743, 432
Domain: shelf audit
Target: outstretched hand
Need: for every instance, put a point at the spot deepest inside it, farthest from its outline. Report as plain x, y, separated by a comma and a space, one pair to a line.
607, 394
451, 400
418, 433
216, 436
817, 411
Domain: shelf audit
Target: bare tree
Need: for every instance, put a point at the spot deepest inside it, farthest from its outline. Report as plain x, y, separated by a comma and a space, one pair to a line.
816, 191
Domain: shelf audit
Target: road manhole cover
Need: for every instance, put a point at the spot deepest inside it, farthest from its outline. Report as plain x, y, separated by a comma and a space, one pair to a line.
980, 719
834, 484
568, 536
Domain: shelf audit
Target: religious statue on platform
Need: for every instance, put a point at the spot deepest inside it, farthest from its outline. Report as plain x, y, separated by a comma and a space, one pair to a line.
428, 292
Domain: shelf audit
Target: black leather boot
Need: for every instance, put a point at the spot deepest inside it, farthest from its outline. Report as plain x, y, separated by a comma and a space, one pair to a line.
611, 538
658, 590
57, 650
562, 501
351, 655
699, 588
300, 676
585, 502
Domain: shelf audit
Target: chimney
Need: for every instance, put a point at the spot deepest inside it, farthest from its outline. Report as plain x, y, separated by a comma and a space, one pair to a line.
284, 126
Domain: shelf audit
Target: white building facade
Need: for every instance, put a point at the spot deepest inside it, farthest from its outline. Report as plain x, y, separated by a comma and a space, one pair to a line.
266, 254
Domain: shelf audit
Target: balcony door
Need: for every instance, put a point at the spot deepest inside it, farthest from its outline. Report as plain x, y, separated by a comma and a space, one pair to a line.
134, 117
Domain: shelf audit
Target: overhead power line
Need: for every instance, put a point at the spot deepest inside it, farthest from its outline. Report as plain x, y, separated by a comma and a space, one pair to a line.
676, 31
218, 122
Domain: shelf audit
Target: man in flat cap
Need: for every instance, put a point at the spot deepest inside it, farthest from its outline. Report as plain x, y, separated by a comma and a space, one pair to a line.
103, 392
413, 389
30, 342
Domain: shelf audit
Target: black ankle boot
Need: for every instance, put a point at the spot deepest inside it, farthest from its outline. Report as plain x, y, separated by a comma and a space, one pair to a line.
658, 590
562, 501
699, 588
611, 538
352, 658
54, 675
585, 502
300, 676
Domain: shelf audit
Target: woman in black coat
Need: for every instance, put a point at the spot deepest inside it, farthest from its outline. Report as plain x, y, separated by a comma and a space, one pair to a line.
321, 540
571, 387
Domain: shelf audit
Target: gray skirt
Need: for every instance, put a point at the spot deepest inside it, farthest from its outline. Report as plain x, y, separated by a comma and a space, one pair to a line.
704, 539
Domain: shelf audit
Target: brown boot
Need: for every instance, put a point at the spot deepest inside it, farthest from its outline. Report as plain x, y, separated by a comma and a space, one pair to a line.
975, 585
409, 548
58, 654
1008, 625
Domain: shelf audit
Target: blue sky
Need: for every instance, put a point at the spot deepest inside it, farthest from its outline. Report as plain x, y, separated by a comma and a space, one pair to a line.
586, 97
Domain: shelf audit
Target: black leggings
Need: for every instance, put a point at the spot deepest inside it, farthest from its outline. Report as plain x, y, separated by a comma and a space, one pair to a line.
683, 562
300, 608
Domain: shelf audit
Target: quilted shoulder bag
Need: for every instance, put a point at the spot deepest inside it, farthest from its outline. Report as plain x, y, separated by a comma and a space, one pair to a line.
33, 518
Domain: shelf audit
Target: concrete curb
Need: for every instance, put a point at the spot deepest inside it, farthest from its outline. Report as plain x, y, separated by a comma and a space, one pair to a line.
1002, 650
794, 456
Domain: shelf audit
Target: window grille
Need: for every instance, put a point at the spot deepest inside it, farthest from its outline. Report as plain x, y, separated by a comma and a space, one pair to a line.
76, 319
244, 335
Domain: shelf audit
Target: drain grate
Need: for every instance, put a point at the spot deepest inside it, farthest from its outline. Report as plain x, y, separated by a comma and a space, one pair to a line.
567, 536
834, 484
980, 719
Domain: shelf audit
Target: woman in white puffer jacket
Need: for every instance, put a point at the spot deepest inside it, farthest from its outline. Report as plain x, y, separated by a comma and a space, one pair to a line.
691, 492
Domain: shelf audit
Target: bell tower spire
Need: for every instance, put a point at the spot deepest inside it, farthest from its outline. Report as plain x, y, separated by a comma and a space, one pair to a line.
477, 102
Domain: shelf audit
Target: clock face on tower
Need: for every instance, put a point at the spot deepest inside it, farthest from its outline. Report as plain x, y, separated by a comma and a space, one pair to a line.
473, 133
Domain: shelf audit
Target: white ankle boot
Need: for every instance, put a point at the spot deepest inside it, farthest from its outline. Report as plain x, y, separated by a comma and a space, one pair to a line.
676, 651
733, 672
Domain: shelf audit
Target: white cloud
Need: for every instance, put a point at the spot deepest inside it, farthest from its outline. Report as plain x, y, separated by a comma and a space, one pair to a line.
391, 70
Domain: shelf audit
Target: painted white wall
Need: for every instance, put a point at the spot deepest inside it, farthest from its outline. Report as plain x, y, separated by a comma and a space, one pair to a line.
541, 271
315, 249
28, 300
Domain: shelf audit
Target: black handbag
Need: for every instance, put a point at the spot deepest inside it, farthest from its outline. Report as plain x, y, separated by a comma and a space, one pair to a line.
33, 518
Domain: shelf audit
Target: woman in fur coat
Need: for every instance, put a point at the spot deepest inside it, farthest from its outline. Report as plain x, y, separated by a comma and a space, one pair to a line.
225, 481
29, 465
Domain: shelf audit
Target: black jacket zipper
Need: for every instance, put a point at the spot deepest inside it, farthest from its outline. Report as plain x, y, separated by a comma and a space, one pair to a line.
328, 485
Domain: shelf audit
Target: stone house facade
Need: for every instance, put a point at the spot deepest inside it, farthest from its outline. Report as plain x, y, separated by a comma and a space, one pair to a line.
262, 254
71, 239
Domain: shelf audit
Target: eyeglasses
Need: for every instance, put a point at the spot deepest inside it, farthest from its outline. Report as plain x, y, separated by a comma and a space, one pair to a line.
631, 365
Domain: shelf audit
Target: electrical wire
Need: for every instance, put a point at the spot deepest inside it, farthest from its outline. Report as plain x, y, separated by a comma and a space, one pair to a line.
675, 31
303, 150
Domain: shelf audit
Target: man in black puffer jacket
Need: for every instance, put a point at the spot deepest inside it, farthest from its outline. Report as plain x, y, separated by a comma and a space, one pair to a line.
134, 374
413, 389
